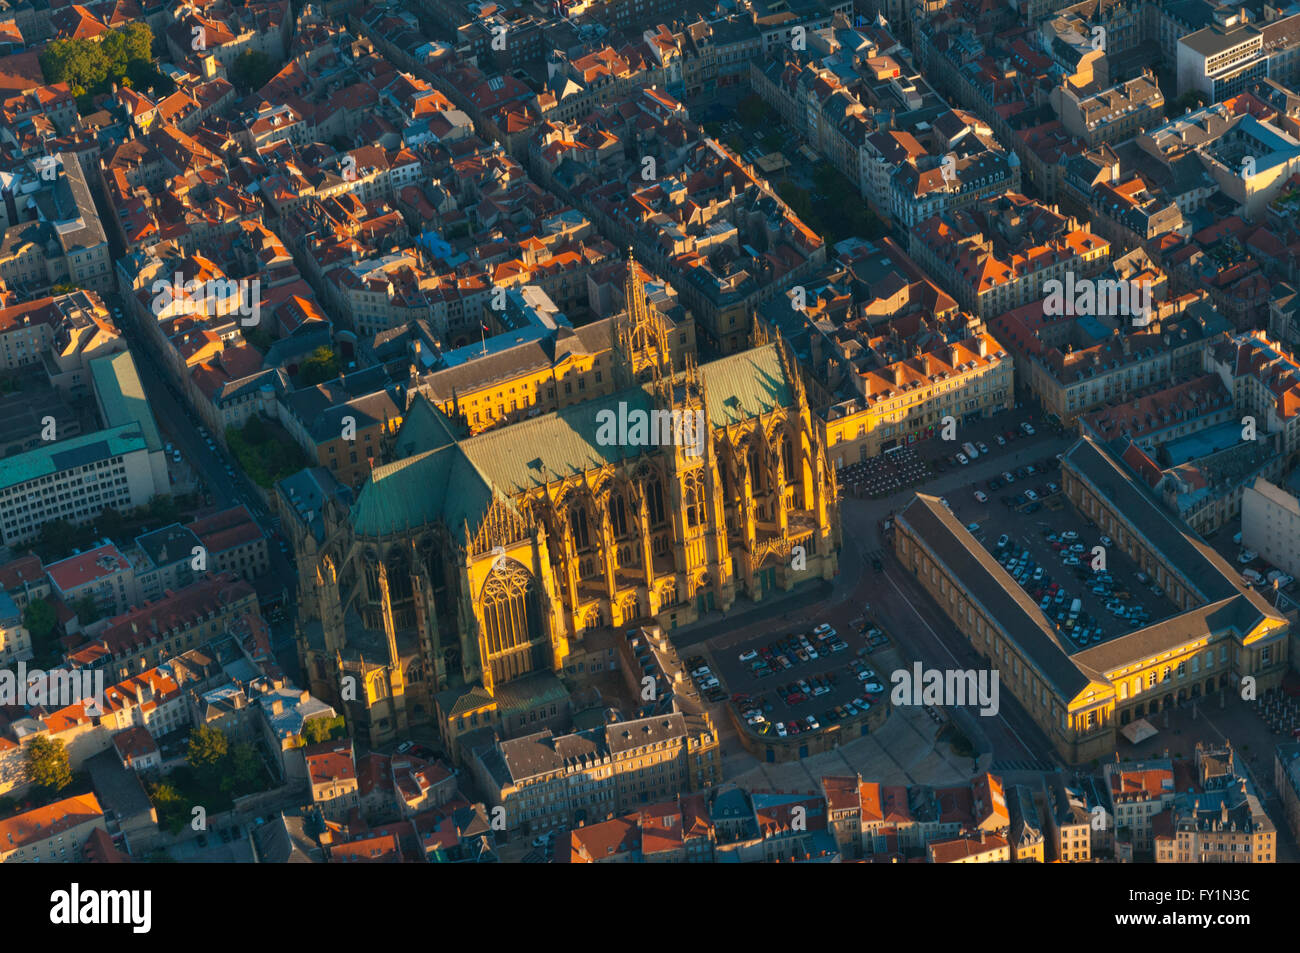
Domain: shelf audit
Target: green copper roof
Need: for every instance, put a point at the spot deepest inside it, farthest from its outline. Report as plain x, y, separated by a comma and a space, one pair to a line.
452, 481
424, 428
73, 452
749, 384
122, 395
557, 445
435, 485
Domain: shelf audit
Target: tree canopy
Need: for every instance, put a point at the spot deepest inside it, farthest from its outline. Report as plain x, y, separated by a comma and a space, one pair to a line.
39, 619
252, 69
320, 365
47, 764
207, 752
89, 66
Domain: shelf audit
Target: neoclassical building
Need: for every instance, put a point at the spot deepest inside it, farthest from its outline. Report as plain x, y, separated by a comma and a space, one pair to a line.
467, 570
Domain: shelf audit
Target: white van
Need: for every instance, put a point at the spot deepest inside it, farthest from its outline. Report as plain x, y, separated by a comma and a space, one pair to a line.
970, 450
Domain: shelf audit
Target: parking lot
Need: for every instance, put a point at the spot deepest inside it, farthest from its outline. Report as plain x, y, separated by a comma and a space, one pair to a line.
777, 683
1049, 548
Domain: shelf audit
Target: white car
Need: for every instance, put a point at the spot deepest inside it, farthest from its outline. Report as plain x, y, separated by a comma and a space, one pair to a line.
874, 688
981, 496
984, 447
961, 458
813, 723
1031, 494
701, 672
748, 656
1028, 428
780, 729
823, 629
1247, 556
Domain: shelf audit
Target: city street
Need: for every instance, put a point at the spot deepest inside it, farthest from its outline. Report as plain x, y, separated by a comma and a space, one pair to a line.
178, 426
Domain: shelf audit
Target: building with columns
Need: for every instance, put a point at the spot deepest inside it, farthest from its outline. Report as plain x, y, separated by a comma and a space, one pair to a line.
1080, 696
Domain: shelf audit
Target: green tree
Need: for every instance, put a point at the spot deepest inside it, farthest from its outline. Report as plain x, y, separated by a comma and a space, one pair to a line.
90, 66
320, 365
207, 753
172, 809
163, 508
243, 770
252, 69
255, 430
139, 42
58, 538
47, 764
39, 619
113, 46
87, 610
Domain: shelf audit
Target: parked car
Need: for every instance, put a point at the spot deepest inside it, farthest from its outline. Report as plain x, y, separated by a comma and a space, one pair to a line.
748, 656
